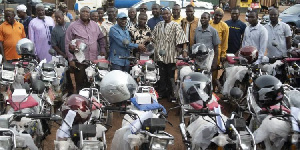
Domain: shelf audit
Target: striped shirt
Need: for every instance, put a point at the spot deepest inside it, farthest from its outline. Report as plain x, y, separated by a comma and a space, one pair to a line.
167, 37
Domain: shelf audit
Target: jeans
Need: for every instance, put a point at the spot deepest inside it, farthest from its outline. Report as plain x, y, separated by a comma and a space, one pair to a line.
117, 67
166, 83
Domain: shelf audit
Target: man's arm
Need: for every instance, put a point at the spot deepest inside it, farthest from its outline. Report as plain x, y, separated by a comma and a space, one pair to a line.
118, 39
54, 44
263, 44
288, 35
102, 43
68, 39
215, 41
2, 51
224, 42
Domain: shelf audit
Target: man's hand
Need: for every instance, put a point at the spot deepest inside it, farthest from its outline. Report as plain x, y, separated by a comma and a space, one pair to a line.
103, 54
222, 59
142, 48
184, 54
214, 67
72, 48
72, 64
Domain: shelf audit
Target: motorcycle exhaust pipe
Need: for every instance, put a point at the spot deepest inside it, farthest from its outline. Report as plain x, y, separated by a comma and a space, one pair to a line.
183, 131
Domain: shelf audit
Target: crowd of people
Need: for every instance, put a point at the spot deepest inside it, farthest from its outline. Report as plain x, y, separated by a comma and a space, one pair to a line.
166, 29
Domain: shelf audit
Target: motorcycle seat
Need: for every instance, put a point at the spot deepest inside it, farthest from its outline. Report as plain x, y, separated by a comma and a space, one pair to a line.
230, 59
8, 66
48, 67
29, 103
291, 59
142, 62
183, 63
150, 66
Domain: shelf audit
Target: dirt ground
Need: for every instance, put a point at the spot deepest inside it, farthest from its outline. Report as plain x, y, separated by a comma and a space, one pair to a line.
173, 118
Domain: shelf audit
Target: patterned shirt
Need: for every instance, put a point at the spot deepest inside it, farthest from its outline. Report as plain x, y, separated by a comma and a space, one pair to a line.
167, 37
139, 36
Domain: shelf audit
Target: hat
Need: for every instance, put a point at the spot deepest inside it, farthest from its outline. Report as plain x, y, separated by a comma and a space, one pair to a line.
122, 15
22, 8
10, 9
62, 5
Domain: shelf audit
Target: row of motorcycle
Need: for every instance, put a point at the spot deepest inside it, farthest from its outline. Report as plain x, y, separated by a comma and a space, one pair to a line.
258, 107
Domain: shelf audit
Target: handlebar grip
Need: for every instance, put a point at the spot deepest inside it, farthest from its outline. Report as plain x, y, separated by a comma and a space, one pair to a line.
35, 116
114, 108
201, 112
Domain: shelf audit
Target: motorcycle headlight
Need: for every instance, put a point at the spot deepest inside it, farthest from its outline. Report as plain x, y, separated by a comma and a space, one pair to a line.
92, 145
8, 75
160, 143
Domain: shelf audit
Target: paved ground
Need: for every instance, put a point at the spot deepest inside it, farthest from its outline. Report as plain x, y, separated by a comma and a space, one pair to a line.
173, 118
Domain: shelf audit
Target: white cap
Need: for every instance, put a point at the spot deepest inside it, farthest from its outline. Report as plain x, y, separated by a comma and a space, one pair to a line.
22, 8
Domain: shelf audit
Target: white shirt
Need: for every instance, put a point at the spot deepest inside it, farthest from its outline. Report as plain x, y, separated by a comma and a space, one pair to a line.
256, 36
277, 35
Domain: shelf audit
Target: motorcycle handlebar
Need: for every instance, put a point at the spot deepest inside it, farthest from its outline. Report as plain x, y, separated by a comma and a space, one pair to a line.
40, 116
201, 112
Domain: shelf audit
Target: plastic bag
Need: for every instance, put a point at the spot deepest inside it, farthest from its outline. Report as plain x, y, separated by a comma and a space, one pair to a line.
293, 96
232, 75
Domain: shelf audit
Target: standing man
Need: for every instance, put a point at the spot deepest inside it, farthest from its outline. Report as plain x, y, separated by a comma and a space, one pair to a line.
143, 8
236, 31
107, 24
64, 8
223, 32
256, 35
24, 18
81, 30
140, 33
39, 30
58, 34
167, 35
95, 17
11, 32
279, 34
176, 14
101, 14
156, 16
117, 35
189, 25
208, 36
132, 17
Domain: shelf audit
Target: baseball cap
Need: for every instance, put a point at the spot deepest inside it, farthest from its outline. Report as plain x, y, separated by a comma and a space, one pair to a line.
122, 15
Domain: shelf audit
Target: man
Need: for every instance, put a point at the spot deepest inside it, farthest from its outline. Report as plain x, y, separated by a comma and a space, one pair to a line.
255, 35
107, 24
117, 35
140, 33
39, 30
143, 8
58, 34
95, 17
78, 30
208, 36
101, 15
236, 31
189, 25
11, 32
279, 34
156, 16
24, 18
132, 17
64, 8
176, 14
167, 35
223, 32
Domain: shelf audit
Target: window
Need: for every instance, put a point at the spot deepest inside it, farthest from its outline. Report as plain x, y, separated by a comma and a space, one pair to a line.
149, 4
292, 10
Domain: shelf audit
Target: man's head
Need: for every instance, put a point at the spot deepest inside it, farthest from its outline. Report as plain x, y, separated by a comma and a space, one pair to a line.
63, 7
122, 20
59, 17
218, 15
21, 11
100, 12
9, 15
155, 10
142, 19
166, 14
189, 10
40, 11
176, 10
253, 18
235, 14
205, 17
85, 14
274, 14
111, 12
132, 13
143, 8
94, 16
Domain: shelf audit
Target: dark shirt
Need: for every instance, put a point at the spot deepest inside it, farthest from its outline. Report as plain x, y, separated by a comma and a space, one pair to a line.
25, 23
236, 30
58, 36
153, 21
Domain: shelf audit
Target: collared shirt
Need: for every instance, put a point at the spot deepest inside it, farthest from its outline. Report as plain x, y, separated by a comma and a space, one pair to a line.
139, 36
209, 37
117, 48
278, 35
69, 15
40, 34
153, 21
90, 34
106, 25
58, 36
177, 20
9, 36
25, 23
256, 36
236, 30
129, 23
167, 37
189, 29
223, 32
